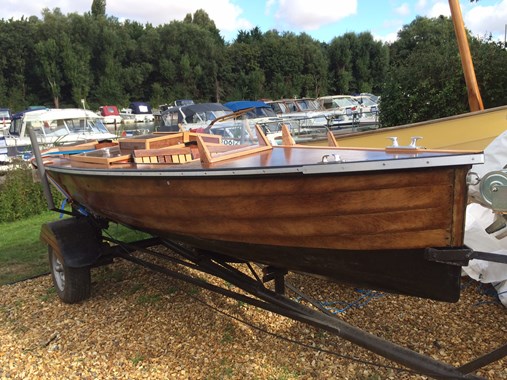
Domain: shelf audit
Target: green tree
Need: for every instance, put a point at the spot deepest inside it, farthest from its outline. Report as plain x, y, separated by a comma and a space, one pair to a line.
98, 8
357, 63
425, 79
245, 78
20, 82
340, 68
315, 67
49, 55
490, 62
76, 65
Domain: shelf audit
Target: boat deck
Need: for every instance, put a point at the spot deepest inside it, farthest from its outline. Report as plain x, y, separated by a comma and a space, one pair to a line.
210, 157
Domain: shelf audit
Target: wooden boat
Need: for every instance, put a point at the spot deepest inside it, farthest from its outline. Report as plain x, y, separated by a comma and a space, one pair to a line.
364, 216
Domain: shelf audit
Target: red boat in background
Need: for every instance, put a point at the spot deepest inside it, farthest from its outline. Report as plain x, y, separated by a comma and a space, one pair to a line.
111, 114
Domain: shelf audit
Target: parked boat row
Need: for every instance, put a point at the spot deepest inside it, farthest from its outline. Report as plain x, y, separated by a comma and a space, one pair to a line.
307, 119
137, 112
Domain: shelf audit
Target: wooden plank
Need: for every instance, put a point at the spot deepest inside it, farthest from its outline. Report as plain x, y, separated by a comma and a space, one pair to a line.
263, 140
212, 152
178, 149
287, 138
204, 152
459, 207
331, 140
83, 146
100, 160
216, 157
150, 141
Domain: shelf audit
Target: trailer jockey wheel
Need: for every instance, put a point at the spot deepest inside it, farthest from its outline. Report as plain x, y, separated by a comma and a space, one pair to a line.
72, 284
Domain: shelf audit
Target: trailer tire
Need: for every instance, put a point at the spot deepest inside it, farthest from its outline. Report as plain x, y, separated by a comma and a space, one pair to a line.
72, 284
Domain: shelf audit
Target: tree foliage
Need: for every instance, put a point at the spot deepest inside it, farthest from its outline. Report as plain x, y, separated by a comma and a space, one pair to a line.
426, 69
98, 8
60, 59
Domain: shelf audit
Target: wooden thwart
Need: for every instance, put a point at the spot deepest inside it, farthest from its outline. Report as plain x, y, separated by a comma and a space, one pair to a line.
101, 160
287, 138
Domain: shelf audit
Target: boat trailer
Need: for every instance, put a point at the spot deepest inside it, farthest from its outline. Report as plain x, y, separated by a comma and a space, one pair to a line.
77, 244
82, 235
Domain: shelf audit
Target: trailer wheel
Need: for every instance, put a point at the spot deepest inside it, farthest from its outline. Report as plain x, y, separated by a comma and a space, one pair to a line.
72, 284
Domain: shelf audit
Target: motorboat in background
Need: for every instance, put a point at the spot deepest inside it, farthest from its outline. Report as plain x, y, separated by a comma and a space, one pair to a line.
138, 112
303, 126
111, 115
185, 117
53, 127
303, 113
354, 115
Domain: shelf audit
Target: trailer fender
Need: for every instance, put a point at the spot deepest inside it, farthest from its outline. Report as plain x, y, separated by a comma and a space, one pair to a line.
75, 241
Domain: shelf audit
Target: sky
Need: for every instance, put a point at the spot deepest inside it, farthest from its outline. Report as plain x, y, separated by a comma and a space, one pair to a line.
321, 19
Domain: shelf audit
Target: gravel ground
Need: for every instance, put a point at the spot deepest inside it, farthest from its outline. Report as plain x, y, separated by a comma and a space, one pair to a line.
142, 325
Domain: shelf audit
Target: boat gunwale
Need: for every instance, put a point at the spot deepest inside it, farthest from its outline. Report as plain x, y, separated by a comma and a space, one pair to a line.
150, 170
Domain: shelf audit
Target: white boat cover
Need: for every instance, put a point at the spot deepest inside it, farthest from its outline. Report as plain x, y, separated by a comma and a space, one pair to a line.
478, 218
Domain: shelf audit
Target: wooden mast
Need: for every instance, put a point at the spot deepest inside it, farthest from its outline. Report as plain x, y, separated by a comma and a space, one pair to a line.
474, 96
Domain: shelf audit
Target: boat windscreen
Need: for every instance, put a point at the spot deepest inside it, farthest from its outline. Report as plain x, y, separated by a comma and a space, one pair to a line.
86, 125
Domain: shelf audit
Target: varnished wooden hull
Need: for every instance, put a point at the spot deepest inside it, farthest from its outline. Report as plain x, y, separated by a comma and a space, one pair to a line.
364, 211
367, 228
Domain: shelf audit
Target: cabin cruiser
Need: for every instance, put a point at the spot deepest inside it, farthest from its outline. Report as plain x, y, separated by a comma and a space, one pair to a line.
138, 112
53, 127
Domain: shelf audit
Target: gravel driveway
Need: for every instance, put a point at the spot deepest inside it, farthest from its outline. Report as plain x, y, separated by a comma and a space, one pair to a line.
142, 325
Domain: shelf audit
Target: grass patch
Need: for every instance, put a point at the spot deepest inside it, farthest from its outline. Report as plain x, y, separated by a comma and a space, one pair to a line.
286, 374
148, 299
137, 359
134, 289
23, 255
50, 294
228, 334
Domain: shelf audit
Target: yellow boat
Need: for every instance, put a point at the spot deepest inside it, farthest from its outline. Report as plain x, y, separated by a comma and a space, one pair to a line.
469, 131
